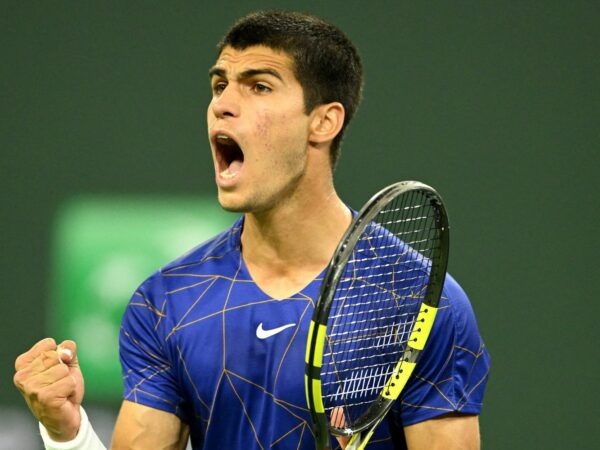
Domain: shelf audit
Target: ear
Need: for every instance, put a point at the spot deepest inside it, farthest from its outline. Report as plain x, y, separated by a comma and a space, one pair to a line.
327, 121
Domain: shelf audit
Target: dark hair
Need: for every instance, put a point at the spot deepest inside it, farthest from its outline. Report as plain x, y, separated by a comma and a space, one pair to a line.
326, 63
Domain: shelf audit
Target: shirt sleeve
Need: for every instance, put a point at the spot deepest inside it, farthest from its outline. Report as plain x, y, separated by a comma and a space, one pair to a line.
453, 369
147, 369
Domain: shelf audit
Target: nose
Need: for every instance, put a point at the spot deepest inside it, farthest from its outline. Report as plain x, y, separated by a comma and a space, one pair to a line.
226, 104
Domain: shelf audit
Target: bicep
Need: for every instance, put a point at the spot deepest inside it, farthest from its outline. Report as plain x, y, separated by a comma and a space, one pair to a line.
450, 432
140, 427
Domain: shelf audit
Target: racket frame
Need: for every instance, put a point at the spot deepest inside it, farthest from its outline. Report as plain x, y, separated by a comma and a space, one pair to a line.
318, 326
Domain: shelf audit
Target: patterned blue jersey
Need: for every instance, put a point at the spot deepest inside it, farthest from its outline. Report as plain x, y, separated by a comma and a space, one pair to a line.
201, 340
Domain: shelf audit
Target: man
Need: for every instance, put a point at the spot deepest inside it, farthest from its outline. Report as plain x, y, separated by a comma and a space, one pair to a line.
212, 345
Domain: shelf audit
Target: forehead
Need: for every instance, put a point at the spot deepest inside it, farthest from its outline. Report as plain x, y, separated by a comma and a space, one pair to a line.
234, 61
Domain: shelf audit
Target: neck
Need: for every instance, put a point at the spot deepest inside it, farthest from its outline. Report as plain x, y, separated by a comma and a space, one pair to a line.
299, 233
286, 247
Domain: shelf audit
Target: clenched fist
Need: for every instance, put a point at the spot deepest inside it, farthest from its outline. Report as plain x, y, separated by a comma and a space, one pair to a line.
49, 378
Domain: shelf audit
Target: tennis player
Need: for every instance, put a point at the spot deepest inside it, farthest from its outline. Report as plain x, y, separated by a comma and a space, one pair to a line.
212, 345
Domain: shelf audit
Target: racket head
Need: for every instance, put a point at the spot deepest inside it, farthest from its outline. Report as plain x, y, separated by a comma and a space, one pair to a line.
375, 309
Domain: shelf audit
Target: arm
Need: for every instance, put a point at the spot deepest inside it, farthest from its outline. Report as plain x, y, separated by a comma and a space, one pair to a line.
49, 378
140, 427
449, 432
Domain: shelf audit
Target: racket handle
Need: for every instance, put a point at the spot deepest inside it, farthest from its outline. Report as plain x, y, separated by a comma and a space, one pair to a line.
323, 442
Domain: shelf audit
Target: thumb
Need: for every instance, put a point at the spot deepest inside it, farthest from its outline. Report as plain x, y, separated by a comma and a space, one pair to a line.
67, 352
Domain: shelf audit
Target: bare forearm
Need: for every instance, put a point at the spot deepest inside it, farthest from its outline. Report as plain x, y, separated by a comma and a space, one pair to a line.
452, 432
142, 428
138, 428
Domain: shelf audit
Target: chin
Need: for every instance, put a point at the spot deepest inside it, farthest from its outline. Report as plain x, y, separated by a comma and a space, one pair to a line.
231, 204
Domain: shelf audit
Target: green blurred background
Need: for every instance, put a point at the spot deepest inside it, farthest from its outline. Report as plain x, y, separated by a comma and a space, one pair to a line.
496, 104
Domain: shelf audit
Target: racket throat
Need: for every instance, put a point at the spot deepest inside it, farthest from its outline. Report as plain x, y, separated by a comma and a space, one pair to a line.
359, 440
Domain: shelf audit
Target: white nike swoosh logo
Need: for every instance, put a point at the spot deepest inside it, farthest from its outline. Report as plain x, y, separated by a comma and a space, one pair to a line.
261, 333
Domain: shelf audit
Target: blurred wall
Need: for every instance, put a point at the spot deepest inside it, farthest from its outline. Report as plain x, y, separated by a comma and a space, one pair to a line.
494, 103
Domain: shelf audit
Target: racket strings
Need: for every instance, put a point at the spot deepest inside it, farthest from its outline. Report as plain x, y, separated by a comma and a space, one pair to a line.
376, 303
408, 290
371, 338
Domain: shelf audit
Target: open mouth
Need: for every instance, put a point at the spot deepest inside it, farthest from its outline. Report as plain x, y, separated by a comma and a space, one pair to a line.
229, 156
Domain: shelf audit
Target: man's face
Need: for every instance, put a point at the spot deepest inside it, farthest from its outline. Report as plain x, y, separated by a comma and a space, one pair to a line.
257, 128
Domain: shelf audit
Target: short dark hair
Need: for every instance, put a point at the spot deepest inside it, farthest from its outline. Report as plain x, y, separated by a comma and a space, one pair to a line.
326, 63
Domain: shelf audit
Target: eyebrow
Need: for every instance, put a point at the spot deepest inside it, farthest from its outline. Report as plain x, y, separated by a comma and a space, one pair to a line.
222, 73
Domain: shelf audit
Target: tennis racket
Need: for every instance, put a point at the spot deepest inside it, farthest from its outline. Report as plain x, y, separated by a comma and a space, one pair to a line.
375, 310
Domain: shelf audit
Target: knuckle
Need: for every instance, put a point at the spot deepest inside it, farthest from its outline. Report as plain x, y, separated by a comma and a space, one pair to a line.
18, 360
18, 380
21, 361
50, 354
22, 380
49, 359
31, 390
62, 371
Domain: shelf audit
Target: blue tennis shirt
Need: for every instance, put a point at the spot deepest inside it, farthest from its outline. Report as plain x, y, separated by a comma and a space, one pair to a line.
201, 340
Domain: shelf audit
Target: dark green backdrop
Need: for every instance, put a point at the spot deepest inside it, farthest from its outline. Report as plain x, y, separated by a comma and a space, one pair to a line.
494, 103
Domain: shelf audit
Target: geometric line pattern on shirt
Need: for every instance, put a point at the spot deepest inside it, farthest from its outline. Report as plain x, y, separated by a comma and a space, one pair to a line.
213, 298
302, 424
460, 403
227, 374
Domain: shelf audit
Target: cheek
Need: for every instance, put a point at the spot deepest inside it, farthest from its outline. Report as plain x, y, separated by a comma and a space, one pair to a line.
280, 131
264, 126
274, 134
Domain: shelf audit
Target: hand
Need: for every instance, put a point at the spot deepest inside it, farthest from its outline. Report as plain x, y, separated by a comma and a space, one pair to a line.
49, 378
338, 420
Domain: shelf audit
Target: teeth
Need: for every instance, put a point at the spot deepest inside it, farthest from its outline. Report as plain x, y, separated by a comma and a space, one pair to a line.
227, 174
224, 139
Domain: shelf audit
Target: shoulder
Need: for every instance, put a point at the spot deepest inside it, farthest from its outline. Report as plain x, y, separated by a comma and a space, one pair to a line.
217, 247
168, 294
458, 316
218, 255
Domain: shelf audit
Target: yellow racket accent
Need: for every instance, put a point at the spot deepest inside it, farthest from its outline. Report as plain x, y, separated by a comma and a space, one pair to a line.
418, 338
320, 344
321, 331
317, 396
420, 332
399, 377
310, 332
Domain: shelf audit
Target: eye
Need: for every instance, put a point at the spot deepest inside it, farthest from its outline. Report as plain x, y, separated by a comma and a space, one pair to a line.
218, 87
261, 88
